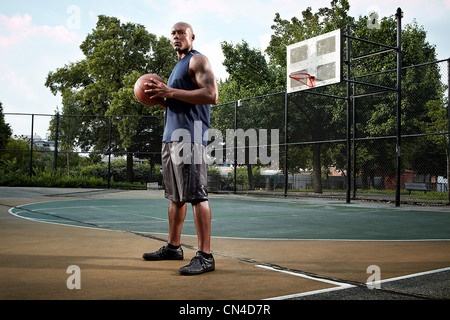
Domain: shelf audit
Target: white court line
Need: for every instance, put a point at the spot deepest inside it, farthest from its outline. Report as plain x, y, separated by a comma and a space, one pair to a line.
340, 286
414, 275
309, 293
303, 276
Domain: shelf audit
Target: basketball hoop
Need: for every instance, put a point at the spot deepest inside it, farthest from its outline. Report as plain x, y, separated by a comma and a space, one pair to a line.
304, 78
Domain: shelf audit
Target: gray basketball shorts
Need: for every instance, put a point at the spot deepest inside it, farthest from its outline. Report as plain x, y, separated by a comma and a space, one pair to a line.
184, 171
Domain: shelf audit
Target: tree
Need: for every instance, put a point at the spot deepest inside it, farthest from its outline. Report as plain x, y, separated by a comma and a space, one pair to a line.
312, 118
5, 129
438, 112
376, 115
250, 75
101, 83
141, 127
318, 119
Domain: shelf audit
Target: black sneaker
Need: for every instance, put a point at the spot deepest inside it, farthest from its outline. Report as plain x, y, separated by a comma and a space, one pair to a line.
164, 253
198, 265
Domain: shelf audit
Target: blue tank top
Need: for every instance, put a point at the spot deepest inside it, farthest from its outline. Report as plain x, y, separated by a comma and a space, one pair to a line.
193, 118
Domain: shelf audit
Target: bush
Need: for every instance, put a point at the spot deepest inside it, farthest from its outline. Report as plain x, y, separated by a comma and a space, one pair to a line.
14, 174
49, 178
119, 172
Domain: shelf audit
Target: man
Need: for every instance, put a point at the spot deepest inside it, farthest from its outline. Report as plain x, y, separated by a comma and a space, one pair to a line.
189, 93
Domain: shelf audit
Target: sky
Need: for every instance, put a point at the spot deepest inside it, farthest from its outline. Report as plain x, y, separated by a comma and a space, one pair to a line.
37, 37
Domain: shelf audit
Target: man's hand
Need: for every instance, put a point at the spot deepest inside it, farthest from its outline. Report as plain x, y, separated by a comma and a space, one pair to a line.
157, 89
201, 74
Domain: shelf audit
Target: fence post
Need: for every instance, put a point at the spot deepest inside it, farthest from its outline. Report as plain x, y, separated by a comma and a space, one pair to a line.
354, 140
55, 154
448, 131
286, 144
236, 104
109, 153
31, 146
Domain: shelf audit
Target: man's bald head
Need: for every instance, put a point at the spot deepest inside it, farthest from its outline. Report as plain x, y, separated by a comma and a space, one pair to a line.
182, 38
183, 25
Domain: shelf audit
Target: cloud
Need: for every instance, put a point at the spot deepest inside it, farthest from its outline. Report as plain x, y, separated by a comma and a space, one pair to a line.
213, 51
189, 7
18, 29
27, 53
231, 11
17, 82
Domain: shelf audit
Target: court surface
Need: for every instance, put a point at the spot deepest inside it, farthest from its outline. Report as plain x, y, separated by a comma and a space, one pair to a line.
301, 249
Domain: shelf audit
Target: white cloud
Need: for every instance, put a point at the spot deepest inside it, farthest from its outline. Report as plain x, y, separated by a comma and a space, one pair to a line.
213, 51
27, 53
29, 50
20, 28
264, 41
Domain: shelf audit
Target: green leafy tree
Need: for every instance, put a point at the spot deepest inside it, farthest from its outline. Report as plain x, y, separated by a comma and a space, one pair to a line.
250, 75
438, 112
376, 115
317, 119
5, 129
311, 118
16, 161
101, 84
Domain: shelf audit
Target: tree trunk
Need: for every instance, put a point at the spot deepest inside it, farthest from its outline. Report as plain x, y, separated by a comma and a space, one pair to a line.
364, 178
152, 165
317, 169
250, 177
130, 173
68, 162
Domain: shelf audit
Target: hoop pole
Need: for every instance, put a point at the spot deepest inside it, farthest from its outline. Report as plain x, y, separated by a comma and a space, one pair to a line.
349, 105
399, 15
371, 42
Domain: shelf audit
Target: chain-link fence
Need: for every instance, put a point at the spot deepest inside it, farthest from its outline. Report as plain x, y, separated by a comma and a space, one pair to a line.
313, 157
298, 144
84, 150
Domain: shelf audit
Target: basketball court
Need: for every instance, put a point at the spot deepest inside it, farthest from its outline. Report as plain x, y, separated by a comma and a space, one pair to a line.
264, 248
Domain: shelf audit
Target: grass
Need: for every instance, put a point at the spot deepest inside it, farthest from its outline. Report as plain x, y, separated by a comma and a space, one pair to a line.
51, 178
415, 195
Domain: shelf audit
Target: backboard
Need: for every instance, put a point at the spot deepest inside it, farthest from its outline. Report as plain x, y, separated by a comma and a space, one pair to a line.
320, 57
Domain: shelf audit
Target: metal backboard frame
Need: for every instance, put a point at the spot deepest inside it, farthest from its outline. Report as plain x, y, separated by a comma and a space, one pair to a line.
321, 57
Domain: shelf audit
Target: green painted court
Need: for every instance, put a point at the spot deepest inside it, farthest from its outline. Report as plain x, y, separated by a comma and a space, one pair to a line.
252, 218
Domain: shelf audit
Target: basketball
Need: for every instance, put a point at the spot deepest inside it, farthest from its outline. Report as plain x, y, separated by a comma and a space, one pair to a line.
140, 86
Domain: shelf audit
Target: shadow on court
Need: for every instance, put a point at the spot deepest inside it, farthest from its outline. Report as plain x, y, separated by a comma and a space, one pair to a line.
264, 248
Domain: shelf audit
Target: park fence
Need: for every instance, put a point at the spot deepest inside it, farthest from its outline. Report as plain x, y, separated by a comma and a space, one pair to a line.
314, 143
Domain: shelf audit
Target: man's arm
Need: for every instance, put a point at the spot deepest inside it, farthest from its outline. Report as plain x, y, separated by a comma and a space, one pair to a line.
201, 73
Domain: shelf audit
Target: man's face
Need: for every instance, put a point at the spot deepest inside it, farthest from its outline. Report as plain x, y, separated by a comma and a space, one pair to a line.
182, 37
